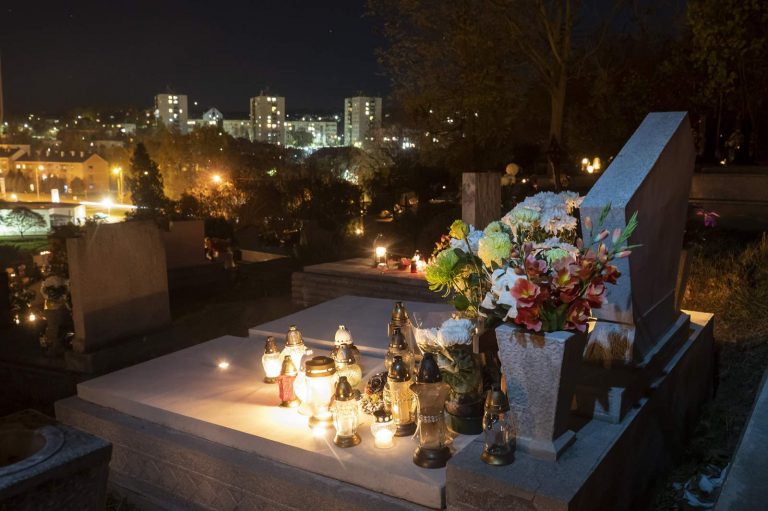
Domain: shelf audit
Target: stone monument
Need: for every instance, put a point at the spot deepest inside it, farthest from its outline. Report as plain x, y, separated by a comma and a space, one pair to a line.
651, 175
480, 198
118, 282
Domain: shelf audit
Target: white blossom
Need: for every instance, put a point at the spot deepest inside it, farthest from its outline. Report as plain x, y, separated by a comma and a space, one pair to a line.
455, 332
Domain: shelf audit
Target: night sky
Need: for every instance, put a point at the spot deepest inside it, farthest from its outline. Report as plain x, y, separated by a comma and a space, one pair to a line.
59, 55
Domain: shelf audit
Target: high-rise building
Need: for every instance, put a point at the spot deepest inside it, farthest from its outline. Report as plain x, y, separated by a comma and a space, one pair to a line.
268, 119
321, 132
362, 115
171, 110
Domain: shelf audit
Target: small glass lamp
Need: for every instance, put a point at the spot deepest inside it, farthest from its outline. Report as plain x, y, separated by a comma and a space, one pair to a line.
344, 336
431, 391
379, 252
320, 373
271, 360
399, 318
285, 382
498, 430
402, 400
294, 346
398, 346
346, 414
346, 366
383, 429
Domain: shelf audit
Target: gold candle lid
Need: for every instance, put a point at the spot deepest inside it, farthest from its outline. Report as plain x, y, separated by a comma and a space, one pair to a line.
319, 367
270, 346
293, 337
343, 390
496, 401
289, 368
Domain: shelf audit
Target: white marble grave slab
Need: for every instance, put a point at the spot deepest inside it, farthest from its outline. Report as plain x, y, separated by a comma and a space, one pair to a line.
187, 391
366, 318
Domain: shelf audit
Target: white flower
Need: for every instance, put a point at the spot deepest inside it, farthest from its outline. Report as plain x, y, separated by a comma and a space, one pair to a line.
455, 332
473, 238
502, 281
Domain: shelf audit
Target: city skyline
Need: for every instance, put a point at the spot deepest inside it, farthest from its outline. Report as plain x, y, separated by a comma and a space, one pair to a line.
314, 54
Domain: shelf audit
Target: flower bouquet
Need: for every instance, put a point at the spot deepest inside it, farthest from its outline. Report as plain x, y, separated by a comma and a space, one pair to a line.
451, 344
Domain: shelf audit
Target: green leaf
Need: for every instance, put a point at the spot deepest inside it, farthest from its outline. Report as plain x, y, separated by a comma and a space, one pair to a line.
460, 302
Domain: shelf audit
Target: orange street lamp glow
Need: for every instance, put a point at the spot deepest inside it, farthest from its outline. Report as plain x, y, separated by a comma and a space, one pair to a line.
216, 178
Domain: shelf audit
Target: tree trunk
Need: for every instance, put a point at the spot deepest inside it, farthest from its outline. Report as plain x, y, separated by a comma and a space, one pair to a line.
557, 107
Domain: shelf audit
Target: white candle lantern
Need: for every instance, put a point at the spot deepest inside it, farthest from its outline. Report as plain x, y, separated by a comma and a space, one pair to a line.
271, 360
346, 367
320, 373
294, 346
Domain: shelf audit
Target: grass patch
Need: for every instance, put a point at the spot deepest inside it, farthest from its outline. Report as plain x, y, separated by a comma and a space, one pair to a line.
729, 277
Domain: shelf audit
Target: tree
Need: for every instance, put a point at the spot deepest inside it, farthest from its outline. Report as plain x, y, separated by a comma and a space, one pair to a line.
300, 138
731, 46
23, 219
455, 77
146, 185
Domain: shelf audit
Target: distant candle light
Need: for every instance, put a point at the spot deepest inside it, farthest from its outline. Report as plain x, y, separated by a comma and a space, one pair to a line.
223, 364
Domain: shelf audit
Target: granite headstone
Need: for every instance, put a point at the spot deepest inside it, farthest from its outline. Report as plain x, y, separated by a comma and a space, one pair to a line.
651, 175
118, 282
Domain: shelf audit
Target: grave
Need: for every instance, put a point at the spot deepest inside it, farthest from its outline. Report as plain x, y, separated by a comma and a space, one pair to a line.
119, 288
321, 282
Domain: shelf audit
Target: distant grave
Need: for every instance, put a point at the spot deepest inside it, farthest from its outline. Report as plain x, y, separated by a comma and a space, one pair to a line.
118, 282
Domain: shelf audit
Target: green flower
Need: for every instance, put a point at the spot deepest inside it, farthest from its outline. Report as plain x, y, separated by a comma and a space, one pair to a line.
494, 227
459, 230
442, 270
494, 248
525, 215
554, 254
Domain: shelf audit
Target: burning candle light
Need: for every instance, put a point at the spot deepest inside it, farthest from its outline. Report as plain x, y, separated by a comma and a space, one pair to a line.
223, 364
320, 373
383, 430
271, 360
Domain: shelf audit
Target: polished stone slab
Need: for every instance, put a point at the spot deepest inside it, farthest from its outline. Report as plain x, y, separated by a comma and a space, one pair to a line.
366, 318
188, 392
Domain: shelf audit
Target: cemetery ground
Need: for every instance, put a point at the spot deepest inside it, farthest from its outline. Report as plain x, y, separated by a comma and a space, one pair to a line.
728, 276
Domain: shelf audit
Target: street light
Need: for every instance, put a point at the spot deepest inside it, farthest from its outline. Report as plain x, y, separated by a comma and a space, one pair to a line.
118, 172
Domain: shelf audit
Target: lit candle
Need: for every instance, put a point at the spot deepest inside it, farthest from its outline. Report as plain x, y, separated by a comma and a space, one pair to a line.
383, 430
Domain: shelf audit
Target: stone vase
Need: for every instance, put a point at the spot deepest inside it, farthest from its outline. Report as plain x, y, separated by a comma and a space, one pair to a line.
540, 370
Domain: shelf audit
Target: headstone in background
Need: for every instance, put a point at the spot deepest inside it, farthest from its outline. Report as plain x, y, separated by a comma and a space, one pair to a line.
184, 244
118, 282
480, 198
651, 175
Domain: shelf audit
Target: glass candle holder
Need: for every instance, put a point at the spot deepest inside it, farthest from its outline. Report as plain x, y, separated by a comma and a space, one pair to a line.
383, 430
415, 262
398, 319
294, 346
346, 414
379, 252
498, 430
271, 360
344, 337
398, 346
431, 392
402, 400
285, 383
346, 365
320, 373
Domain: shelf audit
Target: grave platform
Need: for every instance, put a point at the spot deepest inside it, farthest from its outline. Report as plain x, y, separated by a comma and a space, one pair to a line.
321, 282
189, 434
